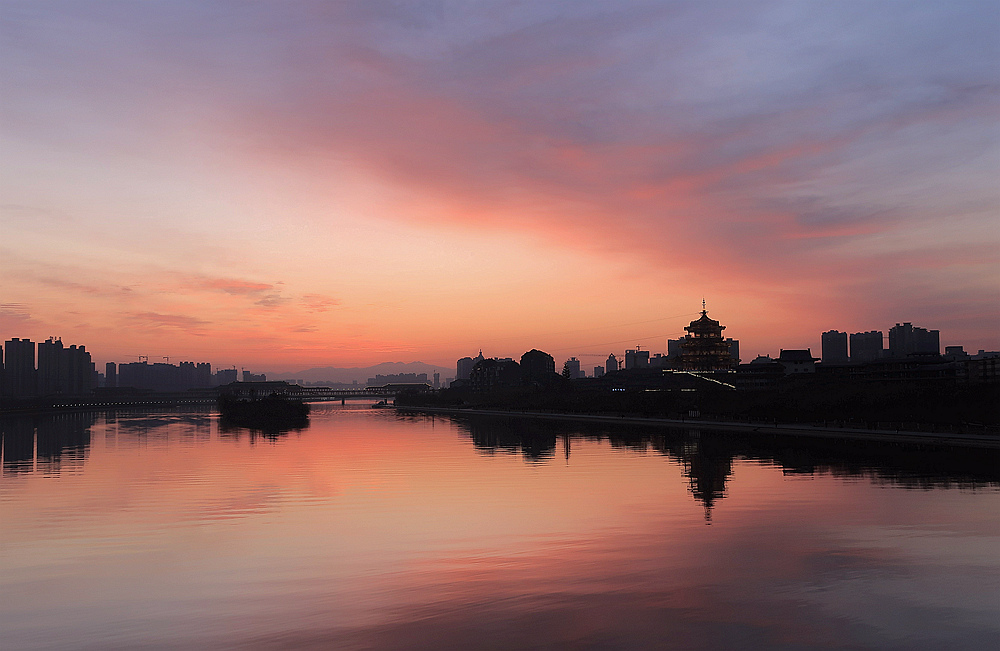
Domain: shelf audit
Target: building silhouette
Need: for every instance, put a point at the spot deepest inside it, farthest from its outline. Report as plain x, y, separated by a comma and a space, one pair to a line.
797, 361
19, 377
636, 359
571, 369
463, 370
397, 378
905, 339
63, 370
866, 346
734, 350
111, 375
834, 346
169, 377
537, 367
611, 365
492, 374
704, 348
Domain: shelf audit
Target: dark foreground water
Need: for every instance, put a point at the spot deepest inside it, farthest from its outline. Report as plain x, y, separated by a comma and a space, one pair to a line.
373, 530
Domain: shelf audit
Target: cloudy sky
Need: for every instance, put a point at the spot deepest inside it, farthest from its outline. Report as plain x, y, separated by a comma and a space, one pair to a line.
288, 184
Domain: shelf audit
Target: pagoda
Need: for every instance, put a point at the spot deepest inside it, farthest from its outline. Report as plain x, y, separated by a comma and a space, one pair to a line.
704, 348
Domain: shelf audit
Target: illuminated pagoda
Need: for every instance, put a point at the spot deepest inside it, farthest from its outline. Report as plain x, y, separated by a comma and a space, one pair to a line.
704, 348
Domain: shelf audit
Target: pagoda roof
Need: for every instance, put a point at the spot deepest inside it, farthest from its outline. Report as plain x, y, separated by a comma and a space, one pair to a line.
703, 321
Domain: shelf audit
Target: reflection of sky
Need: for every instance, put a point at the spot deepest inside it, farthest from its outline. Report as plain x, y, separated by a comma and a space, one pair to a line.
275, 184
368, 531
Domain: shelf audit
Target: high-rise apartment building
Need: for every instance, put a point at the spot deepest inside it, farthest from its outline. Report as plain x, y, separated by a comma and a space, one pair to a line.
636, 359
63, 370
463, 368
674, 348
537, 367
905, 340
572, 368
834, 345
19, 378
866, 346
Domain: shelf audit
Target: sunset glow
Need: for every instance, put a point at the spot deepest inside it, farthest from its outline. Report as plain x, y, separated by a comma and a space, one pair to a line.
302, 184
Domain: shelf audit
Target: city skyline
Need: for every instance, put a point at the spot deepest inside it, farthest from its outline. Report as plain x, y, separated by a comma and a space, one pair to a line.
69, 368
879, 345
284, 186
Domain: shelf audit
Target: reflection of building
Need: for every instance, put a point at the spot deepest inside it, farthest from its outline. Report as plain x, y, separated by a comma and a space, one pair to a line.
704, 348
707, 470
905, 339
866, 346
834, 345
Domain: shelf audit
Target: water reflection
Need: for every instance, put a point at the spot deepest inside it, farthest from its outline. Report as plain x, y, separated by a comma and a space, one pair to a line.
707, 457
270, 431
55, 443
49, 444
372, 530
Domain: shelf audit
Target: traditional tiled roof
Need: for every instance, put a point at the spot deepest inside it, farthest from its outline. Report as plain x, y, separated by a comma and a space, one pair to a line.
796, 356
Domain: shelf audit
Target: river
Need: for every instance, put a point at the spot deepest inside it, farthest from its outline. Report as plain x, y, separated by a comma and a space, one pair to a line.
372, 529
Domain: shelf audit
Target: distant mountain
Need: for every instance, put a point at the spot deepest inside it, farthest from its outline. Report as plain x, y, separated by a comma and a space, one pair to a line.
349, 375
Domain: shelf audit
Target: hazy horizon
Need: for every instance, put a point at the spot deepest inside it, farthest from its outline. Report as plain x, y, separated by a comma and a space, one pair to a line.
290, 185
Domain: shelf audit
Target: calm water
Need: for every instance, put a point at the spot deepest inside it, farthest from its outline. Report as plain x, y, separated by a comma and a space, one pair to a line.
372, 530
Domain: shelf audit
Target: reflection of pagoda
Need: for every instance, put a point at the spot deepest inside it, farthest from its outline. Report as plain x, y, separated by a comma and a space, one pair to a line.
704, 348
708, 471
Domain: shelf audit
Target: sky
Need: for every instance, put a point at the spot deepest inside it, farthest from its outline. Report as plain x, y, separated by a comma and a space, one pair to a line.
282, 185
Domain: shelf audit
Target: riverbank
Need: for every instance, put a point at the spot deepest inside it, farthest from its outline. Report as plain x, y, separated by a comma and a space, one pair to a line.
988, 441
150, 401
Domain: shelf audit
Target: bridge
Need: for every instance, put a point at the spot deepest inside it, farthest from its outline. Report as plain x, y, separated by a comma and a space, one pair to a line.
133, 399
324, 394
